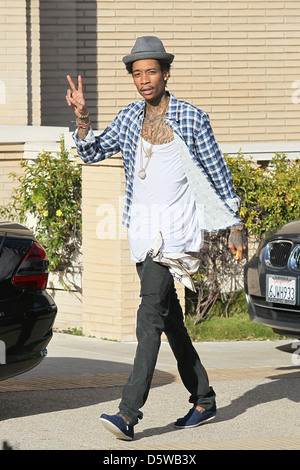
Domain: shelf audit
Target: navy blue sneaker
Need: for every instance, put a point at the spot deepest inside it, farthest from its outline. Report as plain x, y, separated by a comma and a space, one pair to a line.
117, 425
195, 418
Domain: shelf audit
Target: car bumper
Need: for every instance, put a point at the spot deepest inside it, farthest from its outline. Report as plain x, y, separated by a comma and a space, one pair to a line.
26, 334
283, 319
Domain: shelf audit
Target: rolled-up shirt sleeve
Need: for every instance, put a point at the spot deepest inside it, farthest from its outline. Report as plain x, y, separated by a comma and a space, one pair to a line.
93, 148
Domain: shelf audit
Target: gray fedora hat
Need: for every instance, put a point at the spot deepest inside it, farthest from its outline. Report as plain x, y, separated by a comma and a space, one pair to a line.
148, 47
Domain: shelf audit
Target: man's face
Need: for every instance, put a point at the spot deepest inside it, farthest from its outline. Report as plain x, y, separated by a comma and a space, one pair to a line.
149, 80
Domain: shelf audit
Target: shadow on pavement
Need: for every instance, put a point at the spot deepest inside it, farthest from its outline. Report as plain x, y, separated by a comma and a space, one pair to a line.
16, 404
282, 386
66, 386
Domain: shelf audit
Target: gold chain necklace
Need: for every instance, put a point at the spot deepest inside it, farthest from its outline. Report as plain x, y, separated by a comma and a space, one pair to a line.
149, 152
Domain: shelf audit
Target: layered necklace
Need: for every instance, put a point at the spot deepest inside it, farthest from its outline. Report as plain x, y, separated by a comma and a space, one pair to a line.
149, 151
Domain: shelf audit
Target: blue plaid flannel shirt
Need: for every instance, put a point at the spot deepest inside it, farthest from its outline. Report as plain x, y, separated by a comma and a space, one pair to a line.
189, 122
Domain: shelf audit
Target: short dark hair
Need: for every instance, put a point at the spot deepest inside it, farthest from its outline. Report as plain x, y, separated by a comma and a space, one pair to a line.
164, 66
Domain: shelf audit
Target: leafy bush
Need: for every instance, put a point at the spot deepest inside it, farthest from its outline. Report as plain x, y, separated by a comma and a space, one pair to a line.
270, 197
50, 190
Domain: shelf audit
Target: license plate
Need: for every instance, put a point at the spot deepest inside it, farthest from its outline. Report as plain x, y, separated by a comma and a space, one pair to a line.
281, 289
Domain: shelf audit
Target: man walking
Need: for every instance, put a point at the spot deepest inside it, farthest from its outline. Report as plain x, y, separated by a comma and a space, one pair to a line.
177, 184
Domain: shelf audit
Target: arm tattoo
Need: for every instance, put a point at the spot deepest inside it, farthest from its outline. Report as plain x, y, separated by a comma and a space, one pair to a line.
82, 133
237, 237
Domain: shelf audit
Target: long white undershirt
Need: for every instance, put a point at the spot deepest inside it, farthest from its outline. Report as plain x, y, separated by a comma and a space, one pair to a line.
162, 202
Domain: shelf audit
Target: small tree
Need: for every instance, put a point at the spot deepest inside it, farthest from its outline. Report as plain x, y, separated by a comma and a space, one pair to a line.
49, 190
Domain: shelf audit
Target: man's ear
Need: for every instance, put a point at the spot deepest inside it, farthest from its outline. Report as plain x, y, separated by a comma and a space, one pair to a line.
166, 76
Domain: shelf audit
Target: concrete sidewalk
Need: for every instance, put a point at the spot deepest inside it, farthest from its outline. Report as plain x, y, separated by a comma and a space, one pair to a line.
57, 404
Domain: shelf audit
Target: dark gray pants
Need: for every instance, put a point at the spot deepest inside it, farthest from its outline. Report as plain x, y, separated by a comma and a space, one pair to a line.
160, 311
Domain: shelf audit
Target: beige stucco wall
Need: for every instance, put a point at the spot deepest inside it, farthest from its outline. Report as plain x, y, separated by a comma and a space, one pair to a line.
10, 157
109, 282
13, 74
238, 60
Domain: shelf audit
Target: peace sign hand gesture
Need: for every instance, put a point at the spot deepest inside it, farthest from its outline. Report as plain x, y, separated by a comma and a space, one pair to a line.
75, 97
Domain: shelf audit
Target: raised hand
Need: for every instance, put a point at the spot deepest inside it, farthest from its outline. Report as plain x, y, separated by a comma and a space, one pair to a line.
75, 97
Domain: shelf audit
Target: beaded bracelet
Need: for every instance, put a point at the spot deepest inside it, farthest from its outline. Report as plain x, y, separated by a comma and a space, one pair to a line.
85, 125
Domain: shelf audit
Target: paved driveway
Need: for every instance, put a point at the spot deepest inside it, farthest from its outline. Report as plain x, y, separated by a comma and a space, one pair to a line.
57, 404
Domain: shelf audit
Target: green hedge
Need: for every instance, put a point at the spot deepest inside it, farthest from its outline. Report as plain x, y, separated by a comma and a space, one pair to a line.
270, 195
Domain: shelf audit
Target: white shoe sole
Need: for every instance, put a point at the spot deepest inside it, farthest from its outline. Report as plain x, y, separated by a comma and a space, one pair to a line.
115, 430
195, 425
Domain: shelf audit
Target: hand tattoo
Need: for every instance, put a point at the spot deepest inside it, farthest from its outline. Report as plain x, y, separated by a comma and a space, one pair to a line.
236, 237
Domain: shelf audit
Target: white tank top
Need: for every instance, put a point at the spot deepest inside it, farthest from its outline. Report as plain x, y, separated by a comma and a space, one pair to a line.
162, 202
